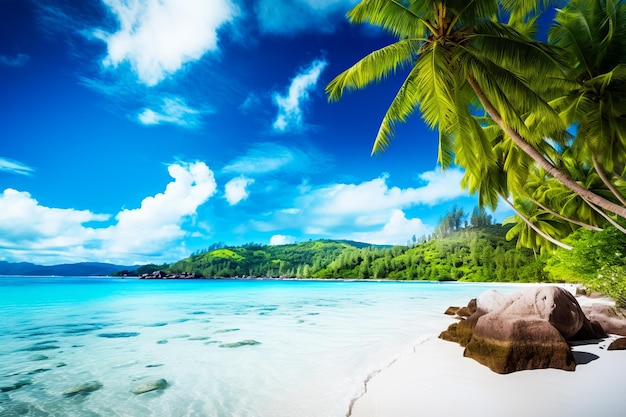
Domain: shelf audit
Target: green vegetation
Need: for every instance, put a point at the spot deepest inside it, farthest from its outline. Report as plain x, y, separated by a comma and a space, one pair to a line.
538, 125
466, 70
598, 259
456, 251
468, 253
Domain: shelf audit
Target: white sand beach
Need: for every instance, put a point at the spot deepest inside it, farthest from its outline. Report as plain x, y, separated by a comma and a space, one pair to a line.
436, 380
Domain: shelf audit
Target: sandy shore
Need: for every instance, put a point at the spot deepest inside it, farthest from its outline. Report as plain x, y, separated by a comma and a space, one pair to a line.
436, 380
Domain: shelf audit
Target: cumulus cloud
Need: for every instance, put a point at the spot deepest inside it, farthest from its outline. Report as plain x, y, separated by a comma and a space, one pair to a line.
372, 211
26, 223
157, 37
159, 218
282, 240
173, 111
289, 106
14, 167
292, 16
371, 197
18, 60
152, 232
395, 231
236, 189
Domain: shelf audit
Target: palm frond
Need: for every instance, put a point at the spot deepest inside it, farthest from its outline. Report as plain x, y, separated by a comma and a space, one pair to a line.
374, 67
391, 15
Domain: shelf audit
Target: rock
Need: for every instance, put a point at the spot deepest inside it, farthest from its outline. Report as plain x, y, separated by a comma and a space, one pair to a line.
84, 389
618, 344
157, 384
464, 312
590, 330
15, 386
451, 311
239, 344
118, 335
490, 300
554, 304
38, 347
611, 319
38, 358
462, 331
524, 330
509, 344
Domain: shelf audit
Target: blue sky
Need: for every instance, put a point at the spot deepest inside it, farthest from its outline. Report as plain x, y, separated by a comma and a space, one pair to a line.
136, 131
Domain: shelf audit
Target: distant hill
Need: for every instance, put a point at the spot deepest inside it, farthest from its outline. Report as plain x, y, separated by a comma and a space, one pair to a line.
78, 269
469, 254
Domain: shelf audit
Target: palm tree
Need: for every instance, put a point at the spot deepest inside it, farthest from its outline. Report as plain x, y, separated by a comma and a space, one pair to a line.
593, 33
461, 58
536, 228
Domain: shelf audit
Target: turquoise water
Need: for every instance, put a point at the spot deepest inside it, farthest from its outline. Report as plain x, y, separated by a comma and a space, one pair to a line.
227, 348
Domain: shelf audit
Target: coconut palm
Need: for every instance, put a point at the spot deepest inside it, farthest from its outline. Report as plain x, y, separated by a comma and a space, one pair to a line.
536, 228
593, 95
459, 58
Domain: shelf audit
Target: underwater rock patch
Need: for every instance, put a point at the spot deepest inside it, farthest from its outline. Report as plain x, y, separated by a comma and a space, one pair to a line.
84, 389
15, 386
38, 347
247, 342
157, 384
160, 324
118, 335
227, 330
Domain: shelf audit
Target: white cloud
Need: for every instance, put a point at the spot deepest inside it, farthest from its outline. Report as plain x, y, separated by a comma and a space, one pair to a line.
157, 222
171, 110
292, 16
18, 60
157, 37
32, 232
24, 222
265, 158
372, 211
374, 196
282, 240
290, 106
396, 231
236, 190
14, 167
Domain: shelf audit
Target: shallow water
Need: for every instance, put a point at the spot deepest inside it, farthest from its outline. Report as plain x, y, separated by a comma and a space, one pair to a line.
87, 346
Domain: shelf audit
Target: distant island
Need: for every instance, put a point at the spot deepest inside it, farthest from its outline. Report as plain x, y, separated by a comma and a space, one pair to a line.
68, 270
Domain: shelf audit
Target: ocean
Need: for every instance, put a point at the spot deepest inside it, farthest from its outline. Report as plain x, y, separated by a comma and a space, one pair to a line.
89, 347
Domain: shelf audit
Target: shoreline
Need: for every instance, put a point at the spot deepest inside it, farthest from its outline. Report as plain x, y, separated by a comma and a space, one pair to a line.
437, 380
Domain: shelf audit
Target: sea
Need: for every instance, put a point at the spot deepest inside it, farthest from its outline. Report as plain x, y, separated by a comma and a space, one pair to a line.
87, 347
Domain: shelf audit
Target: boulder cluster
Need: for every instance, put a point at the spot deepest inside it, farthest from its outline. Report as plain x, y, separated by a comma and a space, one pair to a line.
529, 329
163, 275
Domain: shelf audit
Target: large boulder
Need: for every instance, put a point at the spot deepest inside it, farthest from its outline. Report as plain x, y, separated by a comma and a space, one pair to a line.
507, 344
527, 329
611, 319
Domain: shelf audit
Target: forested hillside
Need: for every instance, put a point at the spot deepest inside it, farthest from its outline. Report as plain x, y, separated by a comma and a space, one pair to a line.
463, 253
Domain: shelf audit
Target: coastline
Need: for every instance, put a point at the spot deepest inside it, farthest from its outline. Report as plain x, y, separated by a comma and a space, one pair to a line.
436, 380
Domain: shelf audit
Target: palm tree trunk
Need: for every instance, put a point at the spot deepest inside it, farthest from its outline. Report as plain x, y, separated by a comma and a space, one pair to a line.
534, 227
606, 181
567, 219
607, 217
526, 147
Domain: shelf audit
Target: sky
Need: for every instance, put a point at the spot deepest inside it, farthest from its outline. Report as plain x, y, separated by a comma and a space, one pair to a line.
141, 131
